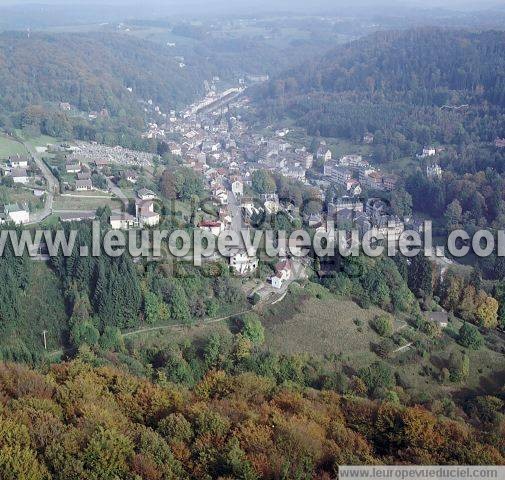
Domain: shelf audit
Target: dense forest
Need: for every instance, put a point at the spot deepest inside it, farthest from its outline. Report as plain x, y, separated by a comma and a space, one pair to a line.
113, 74
79, 422
91, 71
405, 85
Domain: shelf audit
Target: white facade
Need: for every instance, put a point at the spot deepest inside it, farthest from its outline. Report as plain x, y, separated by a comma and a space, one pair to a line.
146, 214
237, 187
215, 228
434, 170
16, 214
18, 162
19, 217
123, 222
429, 152
243, 264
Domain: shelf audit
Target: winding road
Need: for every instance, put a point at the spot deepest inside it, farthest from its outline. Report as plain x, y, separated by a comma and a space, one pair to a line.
53, 186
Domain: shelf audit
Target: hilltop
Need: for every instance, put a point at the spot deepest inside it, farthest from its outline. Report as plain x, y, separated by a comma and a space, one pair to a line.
91, 71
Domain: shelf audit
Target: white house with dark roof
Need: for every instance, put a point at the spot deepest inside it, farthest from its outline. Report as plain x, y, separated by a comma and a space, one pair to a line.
14, 213
123, 221
18, 161
83, 185
19, 175
243, 262
146, 194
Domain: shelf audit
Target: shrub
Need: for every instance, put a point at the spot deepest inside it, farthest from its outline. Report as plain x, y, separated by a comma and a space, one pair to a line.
470, 337
383, 325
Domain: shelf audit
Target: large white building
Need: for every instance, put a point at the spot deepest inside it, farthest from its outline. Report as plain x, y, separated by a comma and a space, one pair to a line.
15, 213
237, 187
243, 262
19, 175
17, 161
123, 221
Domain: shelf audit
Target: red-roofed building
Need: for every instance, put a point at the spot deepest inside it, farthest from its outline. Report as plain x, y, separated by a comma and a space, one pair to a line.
211, 226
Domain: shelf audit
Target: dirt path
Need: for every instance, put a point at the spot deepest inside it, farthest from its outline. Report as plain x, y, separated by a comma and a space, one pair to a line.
177, 326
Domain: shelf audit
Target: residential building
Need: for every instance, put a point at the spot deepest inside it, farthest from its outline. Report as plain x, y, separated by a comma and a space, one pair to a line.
18, 161
100, 163
434, 171
19, 175
368, 138
428, 152
131, 177
371, 179
77, 216
389, 182
73, 167
283, 273
345, 203
353, 187
323, 153
213, 227
145, 213
15, 213
84, 176
83, 185
243, 262
123, 221
174, 148
146, 194
353, 161
341, 176
237, 187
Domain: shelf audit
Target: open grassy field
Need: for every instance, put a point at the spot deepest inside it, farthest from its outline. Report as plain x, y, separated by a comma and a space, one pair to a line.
85, 202
323, 327
340, 147
336, 327
9, 146
404, 164
487, 365
19, 195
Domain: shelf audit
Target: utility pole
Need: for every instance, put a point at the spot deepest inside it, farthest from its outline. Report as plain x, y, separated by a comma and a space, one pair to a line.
45, 340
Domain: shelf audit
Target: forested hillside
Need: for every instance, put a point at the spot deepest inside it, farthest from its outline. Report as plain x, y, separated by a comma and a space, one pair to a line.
91, 71
408, 82
80, 422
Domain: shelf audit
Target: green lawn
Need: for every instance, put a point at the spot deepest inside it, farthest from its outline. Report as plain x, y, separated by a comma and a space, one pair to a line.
9, 146
333, 326
340, 147
84, 204
321, 328
18, 195
40, 141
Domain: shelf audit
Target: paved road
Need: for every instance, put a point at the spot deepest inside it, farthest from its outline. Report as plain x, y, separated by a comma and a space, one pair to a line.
118, 192
235, 212
53, 186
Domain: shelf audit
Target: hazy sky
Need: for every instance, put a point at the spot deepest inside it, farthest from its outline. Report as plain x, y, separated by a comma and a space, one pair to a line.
273, 3
23, 13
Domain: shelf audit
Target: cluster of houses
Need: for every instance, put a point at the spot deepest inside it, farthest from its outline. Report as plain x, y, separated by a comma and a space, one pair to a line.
82, 174
17, 169
145, 213
371, 216
354, 174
